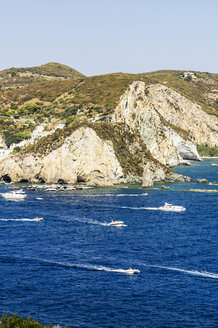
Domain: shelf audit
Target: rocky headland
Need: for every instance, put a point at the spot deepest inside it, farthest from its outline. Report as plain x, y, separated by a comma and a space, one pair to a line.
150, 129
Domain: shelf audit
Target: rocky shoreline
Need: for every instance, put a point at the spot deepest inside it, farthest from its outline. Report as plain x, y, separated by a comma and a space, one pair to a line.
153, 129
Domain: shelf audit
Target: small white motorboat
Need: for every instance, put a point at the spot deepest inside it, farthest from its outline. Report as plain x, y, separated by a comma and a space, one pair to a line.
132, 271
172, 208
14, 195
37, 219
116, 223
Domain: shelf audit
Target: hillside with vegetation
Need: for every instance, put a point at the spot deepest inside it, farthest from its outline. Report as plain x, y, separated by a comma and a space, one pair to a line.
69, 97
15, 78
201, 88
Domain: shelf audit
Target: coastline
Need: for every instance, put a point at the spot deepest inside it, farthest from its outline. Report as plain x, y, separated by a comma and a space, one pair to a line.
209, 157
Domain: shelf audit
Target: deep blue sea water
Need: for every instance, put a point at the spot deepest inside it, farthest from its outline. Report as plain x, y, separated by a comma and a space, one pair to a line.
65, 269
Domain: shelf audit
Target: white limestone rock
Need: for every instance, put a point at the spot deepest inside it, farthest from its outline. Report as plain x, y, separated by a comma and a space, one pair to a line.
2, 143
178, 110
82, 154
186, 149
154, 172
138, 113
147, 111
148, 177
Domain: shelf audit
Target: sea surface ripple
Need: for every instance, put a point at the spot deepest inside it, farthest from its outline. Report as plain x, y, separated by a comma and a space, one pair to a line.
70, 268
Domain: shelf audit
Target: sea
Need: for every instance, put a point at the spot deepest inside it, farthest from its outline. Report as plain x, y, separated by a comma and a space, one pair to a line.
70, 268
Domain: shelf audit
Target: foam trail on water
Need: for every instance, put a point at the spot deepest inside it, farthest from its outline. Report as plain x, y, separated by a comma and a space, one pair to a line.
83, 266
14, 200
151, 209
131, 195
115, 195
102, 268
22, 220
90, 221
140, 208
204, 274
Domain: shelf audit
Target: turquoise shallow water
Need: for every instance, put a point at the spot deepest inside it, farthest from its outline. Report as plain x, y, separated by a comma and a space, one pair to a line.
67, 269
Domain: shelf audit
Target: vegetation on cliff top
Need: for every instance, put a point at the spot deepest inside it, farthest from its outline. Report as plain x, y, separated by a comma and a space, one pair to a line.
105, 90
15, 321
201, 88
96, 97
123, 140
18, 77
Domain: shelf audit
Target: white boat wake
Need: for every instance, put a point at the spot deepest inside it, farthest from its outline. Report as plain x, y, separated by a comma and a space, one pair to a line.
115, 195
164, 208
204, 274
14, 200
128, 195
90, 221
87, 266
23, 220
103, 268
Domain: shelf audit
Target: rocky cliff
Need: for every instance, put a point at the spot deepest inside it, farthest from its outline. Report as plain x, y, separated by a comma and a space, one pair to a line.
138, 110
82, 157
97, 154
2, 143
150, 128
200, 127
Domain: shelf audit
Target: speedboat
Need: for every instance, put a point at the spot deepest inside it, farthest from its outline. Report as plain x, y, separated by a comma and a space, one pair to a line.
132, 271
14, 195
116, 223
37, 219
171, 208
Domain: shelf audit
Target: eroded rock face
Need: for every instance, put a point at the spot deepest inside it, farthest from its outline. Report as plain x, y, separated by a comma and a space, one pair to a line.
2, 143
148, 177
148, 111
187, 150
154, 172
138, 113
178, 110
3, 148
85, 157
82, 154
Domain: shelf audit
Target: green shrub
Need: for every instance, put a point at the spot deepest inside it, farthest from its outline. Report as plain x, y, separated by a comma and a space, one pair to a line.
21, 136
29, 109
16, 150
17, 322
70, 120
13, 106
207, 151
188, 78
11, 137
13, 74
